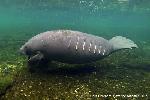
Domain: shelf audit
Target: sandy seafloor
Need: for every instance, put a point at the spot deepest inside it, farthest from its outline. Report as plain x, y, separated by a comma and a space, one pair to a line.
122, 75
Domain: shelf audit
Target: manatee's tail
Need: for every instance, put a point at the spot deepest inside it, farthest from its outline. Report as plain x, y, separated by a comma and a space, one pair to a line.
119, 42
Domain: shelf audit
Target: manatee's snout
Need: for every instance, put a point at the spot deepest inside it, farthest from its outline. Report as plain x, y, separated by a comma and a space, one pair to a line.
22, 50
26, 50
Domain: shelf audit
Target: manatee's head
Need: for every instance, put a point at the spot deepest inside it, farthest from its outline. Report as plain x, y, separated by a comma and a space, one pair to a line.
26, 50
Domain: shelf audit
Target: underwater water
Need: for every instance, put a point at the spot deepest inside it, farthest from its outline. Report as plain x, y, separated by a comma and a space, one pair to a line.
124, 73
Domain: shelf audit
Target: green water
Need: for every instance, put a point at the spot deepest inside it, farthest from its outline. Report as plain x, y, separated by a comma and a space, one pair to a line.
22, 19
94, 17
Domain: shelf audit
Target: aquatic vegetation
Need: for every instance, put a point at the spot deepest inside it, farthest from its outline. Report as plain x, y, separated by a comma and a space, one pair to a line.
90, 81
10, 64
7, 75
5, 82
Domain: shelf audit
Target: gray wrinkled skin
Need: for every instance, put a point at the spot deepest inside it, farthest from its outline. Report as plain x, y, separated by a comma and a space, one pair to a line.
66, 46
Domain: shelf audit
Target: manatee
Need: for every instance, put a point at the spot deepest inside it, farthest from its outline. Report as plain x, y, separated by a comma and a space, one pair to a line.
73, 47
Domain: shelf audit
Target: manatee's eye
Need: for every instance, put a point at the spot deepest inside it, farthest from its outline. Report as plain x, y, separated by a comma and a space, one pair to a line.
28, 50
25, 47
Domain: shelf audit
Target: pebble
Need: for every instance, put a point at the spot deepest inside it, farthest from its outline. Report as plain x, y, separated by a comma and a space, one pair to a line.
30, 86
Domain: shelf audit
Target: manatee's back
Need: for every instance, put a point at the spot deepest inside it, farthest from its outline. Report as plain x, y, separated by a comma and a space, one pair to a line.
76, 46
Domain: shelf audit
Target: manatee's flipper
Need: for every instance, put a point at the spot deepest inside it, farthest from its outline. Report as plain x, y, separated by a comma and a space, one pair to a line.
38, 57
120, 42
37, 62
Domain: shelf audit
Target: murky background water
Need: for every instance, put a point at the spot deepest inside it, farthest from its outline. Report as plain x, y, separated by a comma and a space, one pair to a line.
22, 19
101, 17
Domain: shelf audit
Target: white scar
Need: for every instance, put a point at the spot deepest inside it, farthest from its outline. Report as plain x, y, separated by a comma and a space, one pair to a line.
77, 45
69, 43
94, 48
83, 45
104, 52
90, 47
99, 51
49, 37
